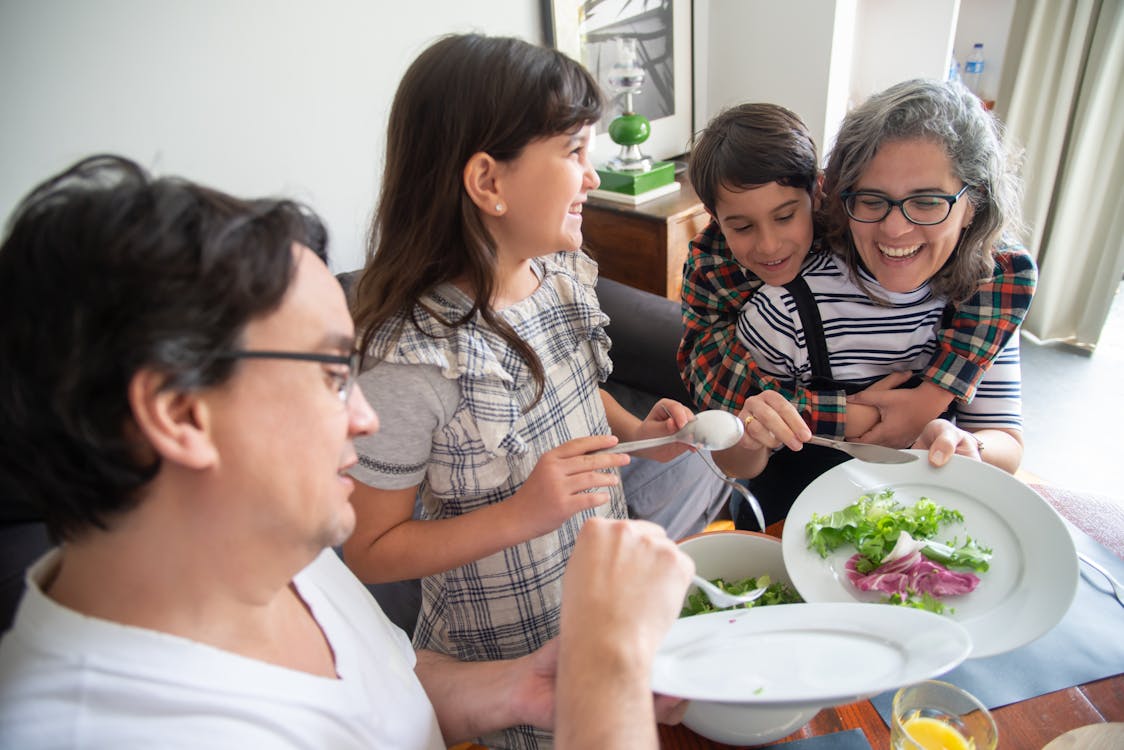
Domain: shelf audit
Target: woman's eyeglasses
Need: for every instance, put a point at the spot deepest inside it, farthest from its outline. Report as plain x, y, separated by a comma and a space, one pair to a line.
923, 210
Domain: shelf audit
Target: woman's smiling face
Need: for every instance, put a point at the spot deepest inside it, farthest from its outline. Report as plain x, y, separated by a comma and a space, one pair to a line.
902, 255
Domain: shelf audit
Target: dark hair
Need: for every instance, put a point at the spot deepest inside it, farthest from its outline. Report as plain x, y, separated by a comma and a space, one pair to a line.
463, 95
948, 114
105, 271
752, 145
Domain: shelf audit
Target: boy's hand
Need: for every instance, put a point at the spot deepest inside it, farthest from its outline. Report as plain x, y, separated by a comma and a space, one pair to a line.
771, 421
903, 412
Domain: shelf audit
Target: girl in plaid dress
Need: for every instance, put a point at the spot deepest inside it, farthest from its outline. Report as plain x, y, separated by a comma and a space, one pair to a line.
484, 348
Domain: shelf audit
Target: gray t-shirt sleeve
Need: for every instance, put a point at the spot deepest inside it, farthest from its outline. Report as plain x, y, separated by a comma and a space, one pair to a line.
412, 402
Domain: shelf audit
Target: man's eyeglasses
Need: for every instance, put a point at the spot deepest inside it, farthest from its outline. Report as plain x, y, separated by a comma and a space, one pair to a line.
923, 210
342, 382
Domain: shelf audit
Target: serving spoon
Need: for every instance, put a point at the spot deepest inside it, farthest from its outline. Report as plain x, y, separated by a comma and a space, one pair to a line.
711, 430
724, 599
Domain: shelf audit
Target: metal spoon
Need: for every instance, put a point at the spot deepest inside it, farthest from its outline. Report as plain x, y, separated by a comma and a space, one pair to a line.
711, 430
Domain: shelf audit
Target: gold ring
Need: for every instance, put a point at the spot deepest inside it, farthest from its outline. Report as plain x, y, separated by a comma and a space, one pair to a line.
749, 418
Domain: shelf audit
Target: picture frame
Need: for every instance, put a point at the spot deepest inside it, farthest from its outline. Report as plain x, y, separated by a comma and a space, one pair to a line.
586, 30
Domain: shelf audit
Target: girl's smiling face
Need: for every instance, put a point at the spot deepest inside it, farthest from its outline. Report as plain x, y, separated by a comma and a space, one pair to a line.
768, 228
543, 191
902, 255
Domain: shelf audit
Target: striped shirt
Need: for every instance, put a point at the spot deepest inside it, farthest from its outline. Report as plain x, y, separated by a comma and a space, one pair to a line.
867, 340
719, 374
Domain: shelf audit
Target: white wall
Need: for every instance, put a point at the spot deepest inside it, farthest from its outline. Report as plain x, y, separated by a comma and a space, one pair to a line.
255, 97
987, 21
896, 41
764, 51
289, 97
816, 57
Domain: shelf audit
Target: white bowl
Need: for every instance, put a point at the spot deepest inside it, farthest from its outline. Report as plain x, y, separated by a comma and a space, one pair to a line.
734, 555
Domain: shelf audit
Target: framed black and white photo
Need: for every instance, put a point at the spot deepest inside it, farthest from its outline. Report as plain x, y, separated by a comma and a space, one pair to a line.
589, 30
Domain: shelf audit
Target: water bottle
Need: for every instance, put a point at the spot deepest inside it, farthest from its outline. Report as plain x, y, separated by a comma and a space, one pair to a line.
974, 68
953, 69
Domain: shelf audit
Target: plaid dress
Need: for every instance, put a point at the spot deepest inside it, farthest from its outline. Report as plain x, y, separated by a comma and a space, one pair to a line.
507, 604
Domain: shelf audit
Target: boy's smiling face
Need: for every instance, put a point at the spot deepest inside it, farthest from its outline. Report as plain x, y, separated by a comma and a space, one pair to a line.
768, 228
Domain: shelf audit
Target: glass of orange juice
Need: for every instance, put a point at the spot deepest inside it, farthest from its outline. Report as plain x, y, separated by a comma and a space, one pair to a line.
937, 715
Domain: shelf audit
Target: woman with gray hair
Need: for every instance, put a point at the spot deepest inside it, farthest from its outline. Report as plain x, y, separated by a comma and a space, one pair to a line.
902, 128
920, 208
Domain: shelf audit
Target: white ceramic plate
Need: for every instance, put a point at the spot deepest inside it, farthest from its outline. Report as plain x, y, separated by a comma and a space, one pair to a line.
805, 654
1033, 575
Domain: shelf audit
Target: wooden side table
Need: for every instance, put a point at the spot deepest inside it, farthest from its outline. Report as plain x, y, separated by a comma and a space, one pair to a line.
644, 246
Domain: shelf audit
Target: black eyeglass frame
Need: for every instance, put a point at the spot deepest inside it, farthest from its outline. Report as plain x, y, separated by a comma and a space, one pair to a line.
951, 200
352, 361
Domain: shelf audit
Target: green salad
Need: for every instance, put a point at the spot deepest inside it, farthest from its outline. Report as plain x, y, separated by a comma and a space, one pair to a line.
775, 593
874, 522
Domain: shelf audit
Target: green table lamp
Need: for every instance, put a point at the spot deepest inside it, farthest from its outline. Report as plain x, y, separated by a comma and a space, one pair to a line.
630, 176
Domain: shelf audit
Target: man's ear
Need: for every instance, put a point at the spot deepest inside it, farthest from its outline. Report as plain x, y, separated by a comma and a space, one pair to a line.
481, 182
174, 423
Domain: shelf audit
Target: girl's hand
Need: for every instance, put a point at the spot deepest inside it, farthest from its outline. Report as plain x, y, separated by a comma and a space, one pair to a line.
942, 439
567, 480
665, 418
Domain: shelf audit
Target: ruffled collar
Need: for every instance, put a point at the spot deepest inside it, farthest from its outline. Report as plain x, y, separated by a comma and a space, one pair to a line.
563, 310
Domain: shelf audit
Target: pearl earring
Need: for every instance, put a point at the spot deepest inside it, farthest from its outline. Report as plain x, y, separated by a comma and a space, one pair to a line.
499, 208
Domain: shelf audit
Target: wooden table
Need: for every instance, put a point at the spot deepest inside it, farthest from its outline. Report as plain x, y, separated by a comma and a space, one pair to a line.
644, 246
1026, 725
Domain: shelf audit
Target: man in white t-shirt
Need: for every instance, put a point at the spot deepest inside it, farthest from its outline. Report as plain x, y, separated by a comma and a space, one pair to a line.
178, 400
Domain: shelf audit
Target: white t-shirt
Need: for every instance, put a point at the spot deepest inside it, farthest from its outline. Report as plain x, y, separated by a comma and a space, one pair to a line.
72, 681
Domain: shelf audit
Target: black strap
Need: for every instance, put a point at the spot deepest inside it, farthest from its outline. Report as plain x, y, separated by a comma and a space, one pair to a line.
809, 313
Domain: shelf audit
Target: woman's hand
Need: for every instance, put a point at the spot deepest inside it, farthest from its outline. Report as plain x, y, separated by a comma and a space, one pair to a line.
943, 439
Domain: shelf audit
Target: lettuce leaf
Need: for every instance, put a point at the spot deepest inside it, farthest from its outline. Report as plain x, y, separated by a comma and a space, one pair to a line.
775, 593
873, 523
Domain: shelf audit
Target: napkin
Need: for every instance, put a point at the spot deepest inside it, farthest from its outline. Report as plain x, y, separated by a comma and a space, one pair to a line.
1085, 646
852, 739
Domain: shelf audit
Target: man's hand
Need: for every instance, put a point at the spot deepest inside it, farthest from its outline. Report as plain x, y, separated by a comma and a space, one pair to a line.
623, 588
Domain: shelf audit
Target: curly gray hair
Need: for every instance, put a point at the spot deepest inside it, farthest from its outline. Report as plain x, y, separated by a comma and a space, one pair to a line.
948, 114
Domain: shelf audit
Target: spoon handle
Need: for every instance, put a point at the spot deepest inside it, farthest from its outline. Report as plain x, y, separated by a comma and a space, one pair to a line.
639, 445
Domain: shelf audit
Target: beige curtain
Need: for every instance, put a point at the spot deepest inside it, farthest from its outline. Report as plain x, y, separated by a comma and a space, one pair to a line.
1064, 92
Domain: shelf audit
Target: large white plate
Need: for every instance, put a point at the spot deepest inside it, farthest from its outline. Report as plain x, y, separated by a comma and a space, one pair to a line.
805, 654
1033, 575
